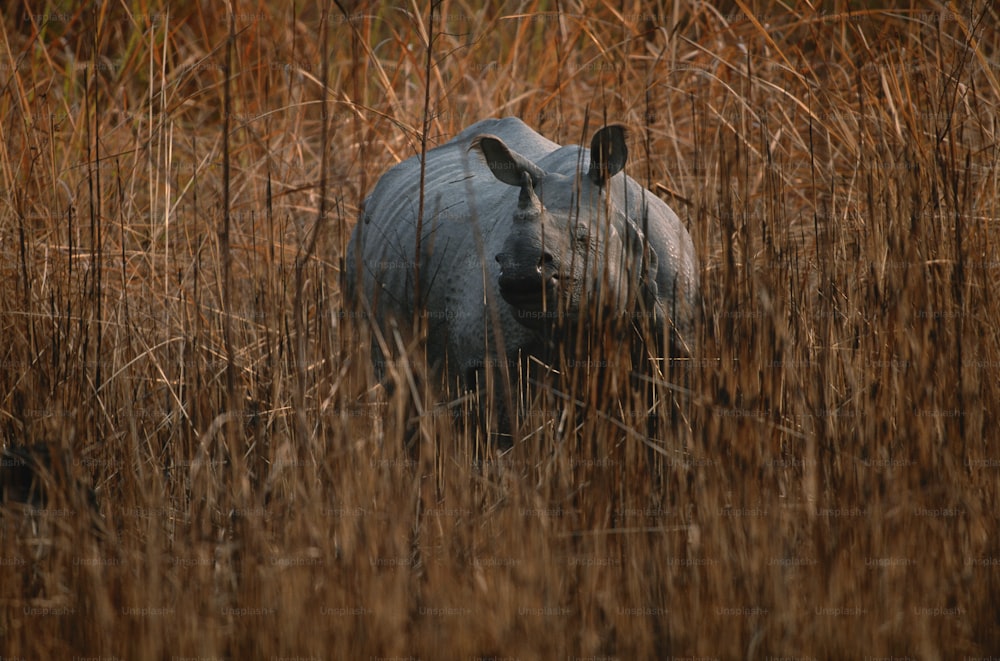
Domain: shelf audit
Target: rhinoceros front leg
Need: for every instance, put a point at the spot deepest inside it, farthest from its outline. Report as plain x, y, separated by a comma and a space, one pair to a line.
490, 412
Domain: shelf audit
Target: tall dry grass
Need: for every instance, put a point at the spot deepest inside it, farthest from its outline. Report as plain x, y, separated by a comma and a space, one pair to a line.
172, 244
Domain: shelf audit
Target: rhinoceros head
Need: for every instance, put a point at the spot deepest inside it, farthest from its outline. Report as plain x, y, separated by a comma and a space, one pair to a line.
568, 250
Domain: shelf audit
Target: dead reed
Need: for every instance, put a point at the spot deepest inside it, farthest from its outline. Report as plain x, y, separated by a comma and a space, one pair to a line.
179, 184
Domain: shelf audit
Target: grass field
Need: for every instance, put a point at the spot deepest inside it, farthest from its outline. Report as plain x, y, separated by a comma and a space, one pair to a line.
225, 477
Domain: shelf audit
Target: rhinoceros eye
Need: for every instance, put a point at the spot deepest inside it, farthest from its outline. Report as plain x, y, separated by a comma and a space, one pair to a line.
583, 236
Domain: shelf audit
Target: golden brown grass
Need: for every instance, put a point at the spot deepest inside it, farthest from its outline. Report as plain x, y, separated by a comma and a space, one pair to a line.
172, 328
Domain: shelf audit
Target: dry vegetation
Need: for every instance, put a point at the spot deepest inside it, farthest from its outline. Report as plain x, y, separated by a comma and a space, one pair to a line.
224, 478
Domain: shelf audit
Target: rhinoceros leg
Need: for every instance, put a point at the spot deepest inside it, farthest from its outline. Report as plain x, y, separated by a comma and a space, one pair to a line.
502, 393
490, 414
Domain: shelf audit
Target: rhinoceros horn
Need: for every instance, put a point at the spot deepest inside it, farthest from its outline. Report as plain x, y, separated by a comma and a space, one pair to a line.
529, 207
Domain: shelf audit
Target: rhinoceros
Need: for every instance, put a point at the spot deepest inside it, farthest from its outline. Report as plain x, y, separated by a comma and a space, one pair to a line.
517, 234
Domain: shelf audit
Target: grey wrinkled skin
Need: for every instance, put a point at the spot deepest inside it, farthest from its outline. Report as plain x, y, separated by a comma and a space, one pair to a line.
518, 234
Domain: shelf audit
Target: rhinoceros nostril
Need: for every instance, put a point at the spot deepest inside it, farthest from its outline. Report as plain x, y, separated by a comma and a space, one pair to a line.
547, 267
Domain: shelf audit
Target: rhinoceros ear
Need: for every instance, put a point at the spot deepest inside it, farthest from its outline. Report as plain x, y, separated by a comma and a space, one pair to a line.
505, 163
608, 153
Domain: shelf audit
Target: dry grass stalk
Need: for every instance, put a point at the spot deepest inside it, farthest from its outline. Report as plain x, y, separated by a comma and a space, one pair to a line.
828, 487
